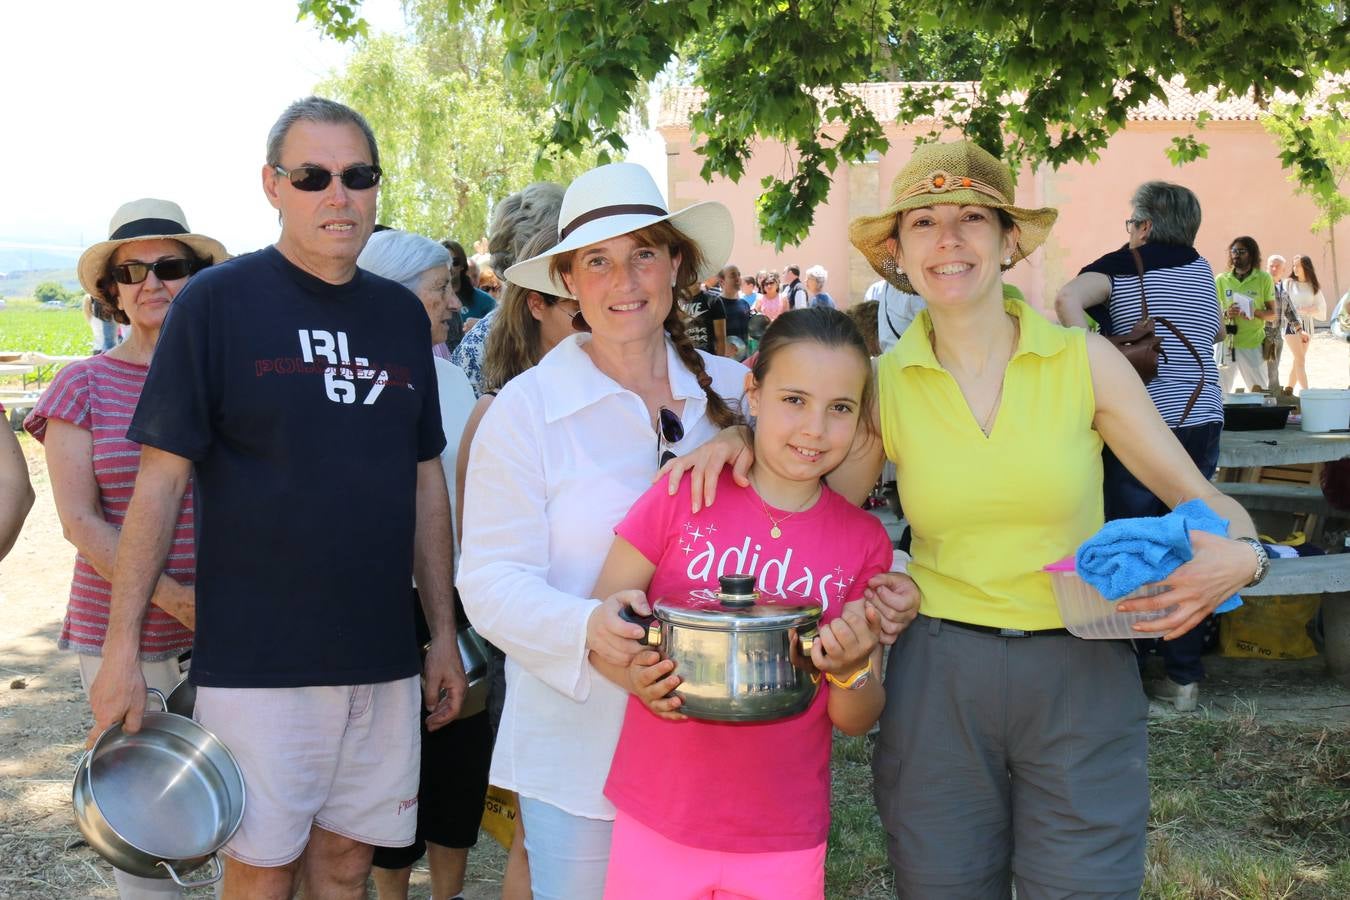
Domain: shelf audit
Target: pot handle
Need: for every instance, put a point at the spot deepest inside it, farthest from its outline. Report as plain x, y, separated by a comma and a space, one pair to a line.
807, 636
653, 636
159, 695
215, 876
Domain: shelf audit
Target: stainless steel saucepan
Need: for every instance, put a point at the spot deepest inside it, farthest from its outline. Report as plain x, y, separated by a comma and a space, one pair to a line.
159, 803
740, 658
473, 654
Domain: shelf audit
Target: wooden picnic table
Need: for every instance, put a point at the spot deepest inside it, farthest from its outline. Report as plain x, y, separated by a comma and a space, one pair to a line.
1244, 454
41, 366
1286, 446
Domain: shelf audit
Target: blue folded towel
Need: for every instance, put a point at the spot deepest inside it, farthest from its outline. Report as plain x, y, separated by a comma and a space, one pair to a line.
1127, 554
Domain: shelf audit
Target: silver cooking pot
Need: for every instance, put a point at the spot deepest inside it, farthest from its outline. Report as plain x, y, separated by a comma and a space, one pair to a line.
740, 659
473, 653
159, 803
182, 699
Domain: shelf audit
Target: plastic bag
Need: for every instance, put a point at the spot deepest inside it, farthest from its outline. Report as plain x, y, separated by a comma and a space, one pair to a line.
500, 813
1269, 628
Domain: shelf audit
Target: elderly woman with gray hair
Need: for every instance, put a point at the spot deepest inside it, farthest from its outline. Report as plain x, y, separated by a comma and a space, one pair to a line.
455, 758
1159, 266
815, 278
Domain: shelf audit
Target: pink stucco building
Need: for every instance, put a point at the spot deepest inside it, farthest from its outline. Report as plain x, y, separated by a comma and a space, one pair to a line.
1241, 186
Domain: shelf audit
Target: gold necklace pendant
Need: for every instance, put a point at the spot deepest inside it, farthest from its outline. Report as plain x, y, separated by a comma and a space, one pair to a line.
775, 531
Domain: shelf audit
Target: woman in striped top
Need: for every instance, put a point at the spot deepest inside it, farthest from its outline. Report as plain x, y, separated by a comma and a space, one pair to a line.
82, 421
1179, 286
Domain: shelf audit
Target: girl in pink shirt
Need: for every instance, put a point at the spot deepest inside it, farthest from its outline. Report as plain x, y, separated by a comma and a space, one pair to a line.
748, 812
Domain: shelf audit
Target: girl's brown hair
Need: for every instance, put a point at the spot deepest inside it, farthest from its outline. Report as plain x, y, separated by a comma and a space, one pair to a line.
687, 284
513, 343
825, 326
1301, 261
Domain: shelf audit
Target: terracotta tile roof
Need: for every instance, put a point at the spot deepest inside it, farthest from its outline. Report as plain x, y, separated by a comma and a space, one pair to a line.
884, 98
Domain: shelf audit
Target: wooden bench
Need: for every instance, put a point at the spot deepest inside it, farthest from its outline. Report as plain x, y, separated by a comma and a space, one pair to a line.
1327, 577
1290, 498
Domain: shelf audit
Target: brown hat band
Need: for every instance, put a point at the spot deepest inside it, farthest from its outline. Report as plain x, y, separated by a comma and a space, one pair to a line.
941, 182
604, 212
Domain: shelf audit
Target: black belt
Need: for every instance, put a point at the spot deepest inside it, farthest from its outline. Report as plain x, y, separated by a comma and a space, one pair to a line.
1005, 632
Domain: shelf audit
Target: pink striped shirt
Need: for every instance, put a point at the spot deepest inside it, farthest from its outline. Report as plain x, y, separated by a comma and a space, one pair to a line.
99, 394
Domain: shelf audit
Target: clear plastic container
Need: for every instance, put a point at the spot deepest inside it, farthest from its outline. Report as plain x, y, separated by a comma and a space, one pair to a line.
1087, 614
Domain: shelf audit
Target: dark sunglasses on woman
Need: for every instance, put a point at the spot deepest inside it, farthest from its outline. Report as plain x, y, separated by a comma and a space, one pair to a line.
578, 320
170, 269
361, 177
670, 431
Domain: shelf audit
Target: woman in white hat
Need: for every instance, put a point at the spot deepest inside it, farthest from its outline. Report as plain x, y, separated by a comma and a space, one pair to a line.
82, 422
1009, 749
560, 456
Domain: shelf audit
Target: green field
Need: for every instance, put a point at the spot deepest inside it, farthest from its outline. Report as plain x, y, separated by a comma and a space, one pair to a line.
27, 326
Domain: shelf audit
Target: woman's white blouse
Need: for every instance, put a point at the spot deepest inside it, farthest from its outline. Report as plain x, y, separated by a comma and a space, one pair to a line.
559, 458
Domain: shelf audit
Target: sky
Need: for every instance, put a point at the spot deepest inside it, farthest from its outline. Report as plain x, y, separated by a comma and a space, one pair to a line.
105, 101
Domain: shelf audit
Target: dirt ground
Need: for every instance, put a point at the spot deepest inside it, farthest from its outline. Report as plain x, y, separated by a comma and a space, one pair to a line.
44, 717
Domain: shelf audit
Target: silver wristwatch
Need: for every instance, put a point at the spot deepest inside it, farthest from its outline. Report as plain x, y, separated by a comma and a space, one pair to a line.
1262, 559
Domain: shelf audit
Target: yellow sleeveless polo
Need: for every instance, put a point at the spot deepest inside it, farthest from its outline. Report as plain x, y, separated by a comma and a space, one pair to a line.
988, 513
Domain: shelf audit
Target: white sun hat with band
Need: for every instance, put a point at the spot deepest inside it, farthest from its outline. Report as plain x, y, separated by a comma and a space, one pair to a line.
144, 220
617, 199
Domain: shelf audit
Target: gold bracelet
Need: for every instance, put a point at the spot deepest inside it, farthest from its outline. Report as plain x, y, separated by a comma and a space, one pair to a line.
848, 683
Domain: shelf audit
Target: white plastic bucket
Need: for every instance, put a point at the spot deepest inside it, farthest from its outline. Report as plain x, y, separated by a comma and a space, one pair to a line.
1325, 409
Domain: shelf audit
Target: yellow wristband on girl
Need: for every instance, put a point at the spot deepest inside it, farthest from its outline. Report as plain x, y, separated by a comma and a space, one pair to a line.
855, 681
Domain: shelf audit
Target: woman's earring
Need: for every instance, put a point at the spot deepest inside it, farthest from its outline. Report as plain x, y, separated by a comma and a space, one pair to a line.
1007, 262
890, 265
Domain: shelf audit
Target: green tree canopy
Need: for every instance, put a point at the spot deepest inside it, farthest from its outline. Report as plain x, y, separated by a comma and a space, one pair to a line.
47, 291
1317, 149
1055, 80
457, 131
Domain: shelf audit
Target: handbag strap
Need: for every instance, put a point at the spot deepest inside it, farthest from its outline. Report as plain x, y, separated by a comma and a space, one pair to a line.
1139, 267
1185, 341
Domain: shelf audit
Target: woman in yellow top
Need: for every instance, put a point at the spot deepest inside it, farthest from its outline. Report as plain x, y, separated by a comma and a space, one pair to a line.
1009, 750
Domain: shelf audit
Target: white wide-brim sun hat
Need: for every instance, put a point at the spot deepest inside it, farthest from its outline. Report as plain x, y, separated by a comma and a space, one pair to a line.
617, 199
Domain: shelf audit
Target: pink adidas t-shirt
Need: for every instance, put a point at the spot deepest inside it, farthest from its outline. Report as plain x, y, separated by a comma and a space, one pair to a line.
741, 787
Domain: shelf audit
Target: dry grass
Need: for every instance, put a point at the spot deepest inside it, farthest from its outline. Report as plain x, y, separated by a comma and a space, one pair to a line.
1241, 810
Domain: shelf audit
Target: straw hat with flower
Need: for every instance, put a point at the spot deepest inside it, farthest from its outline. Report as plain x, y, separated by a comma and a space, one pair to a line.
959, 173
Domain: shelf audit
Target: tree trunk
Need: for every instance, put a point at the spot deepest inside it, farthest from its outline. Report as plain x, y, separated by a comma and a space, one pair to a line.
1335, 269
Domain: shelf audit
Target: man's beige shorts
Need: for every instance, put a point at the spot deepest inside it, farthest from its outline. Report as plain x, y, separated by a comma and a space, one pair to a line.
343, 758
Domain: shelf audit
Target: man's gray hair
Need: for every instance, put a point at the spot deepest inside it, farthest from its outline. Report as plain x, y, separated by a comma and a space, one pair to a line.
1173, 210
819, 274
317, 109
402, 257
519, 218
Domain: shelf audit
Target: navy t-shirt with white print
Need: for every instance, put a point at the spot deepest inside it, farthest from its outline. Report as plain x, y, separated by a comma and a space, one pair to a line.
305, 408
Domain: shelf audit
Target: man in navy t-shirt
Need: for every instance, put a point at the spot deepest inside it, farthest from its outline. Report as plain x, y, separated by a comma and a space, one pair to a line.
301, 392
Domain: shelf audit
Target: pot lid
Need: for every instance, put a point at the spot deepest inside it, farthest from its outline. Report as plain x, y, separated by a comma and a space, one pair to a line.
736, 607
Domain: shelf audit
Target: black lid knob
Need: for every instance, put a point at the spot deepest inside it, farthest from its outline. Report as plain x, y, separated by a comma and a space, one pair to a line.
737, 585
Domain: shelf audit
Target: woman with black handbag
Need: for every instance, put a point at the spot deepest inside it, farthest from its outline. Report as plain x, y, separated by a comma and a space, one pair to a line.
1175, 285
